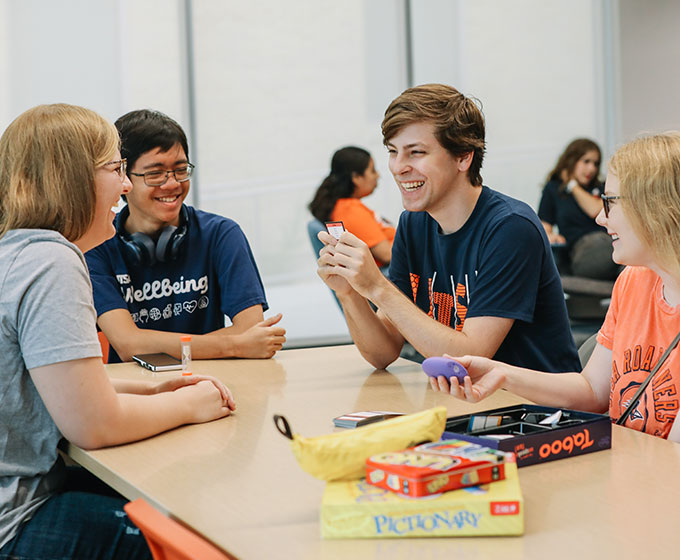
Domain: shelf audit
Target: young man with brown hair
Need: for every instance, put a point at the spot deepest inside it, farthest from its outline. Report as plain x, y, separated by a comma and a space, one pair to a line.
471, 269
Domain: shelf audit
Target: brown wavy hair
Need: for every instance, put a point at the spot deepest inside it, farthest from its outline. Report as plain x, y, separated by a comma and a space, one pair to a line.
566, 163
457, 119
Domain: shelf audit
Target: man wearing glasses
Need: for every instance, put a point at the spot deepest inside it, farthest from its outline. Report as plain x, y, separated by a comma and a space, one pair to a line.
172, 269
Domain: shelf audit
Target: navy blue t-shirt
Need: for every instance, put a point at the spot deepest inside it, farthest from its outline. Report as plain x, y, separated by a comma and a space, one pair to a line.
214, 275
498, 264
558, 207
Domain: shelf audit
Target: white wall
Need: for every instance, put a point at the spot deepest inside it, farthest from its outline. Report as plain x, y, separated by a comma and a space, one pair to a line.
5, 110
280, 87
152, 52
281, 91
531, 65
650, 82
56, 53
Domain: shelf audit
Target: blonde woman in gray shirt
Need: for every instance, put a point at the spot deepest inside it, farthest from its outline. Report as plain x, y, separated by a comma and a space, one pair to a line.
60, 174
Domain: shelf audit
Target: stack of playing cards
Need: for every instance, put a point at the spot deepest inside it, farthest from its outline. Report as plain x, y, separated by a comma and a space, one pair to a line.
356, 419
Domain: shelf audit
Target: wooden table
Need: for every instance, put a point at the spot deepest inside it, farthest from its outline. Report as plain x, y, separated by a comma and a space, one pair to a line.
236, 482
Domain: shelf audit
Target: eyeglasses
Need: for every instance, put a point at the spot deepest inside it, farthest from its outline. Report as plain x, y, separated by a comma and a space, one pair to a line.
606, 204
157, 178
121, 169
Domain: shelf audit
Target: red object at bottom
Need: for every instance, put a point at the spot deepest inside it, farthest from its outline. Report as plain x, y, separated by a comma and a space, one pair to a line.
433, 468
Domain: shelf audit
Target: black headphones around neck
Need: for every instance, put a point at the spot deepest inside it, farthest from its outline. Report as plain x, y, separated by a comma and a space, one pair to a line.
141, 250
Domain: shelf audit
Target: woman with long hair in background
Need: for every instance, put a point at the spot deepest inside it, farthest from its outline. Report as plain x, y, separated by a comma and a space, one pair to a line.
571, 201
352, 177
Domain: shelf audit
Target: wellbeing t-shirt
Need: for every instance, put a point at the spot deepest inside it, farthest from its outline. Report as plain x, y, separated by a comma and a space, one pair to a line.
214, 275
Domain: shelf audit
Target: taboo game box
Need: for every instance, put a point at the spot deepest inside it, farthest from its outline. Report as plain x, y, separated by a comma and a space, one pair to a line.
535, 434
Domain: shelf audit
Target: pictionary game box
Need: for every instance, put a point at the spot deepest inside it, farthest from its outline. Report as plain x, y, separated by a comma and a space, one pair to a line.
433, 468
356, 509
535, 434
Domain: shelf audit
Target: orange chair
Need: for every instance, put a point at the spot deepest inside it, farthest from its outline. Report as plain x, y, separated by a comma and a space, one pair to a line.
105, 346
168, 540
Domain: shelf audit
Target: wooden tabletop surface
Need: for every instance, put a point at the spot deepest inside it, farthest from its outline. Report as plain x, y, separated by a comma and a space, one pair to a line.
236, 482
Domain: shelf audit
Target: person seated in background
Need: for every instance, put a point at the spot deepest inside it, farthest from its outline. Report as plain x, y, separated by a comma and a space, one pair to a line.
60, 174
471, 267
641, 212
353, 176
172, 269
571, 200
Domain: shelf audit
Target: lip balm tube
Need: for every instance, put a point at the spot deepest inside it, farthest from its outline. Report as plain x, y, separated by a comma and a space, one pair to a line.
186, 354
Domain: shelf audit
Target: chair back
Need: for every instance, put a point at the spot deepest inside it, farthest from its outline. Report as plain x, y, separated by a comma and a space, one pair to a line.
586, 349
167, 539
314, 226
104, 342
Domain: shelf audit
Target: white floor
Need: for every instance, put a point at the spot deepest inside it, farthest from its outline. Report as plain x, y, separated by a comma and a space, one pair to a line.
311, 315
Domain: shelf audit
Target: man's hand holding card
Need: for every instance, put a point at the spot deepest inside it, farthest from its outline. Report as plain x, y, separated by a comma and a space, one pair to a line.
346, 256
336, 229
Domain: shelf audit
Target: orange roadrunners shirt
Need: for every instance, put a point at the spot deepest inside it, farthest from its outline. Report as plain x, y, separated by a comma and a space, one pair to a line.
362, 222
638, 328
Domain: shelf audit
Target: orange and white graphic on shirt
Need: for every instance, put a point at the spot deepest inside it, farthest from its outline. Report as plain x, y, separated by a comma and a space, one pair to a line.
415, 279
443, 306
659, 403
638, 326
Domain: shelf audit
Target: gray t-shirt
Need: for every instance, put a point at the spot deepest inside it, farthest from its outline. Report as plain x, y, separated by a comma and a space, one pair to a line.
46, 317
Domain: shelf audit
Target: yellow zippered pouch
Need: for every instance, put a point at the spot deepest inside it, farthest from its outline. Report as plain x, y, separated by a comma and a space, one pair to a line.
342, 455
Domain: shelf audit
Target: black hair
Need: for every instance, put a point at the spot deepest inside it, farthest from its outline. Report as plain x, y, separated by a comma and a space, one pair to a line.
345, 163
144, 130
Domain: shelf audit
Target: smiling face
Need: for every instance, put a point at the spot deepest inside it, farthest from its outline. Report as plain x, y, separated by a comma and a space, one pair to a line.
154, 208
425, 172
587, 167
108, 189
367, 182
628, 248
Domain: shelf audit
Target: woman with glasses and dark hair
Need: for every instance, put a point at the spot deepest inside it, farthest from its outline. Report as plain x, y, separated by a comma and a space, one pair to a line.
570, 201
353, 176
172, 269
640, 215
60, 173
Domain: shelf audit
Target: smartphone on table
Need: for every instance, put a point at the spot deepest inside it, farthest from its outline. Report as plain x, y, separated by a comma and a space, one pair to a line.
158, 361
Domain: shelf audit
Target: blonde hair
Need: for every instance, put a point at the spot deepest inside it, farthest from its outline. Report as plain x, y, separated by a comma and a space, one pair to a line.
48, 158
648, 170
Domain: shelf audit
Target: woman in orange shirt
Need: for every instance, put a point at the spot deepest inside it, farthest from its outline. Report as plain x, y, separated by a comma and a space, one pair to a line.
641, 213
353, 176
